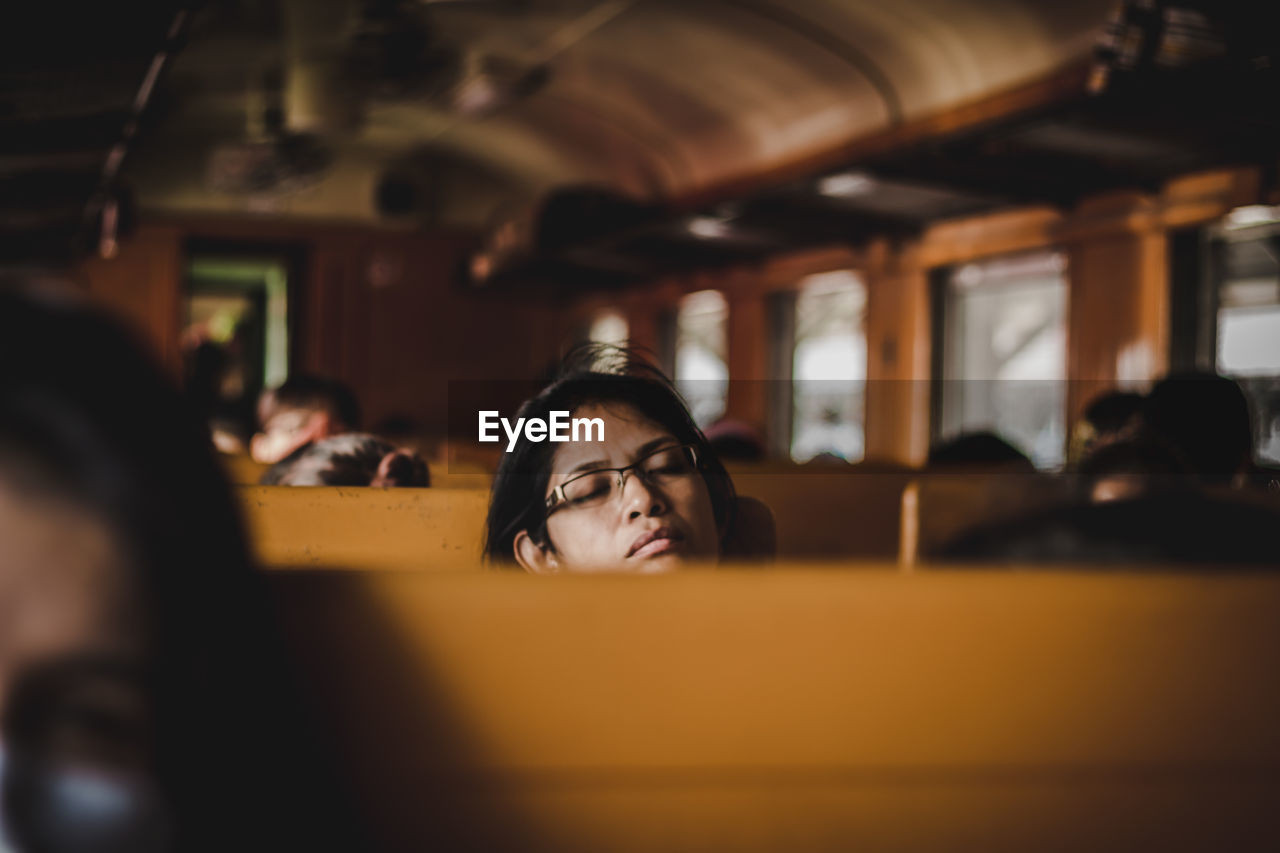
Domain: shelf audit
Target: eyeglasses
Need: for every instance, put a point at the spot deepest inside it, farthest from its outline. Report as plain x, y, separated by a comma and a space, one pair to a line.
664, 466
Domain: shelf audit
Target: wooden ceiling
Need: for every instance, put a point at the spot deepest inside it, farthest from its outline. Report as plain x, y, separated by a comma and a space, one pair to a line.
710, 130
654, 99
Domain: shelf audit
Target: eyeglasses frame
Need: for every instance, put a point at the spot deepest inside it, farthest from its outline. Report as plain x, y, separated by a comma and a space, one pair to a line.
557, 498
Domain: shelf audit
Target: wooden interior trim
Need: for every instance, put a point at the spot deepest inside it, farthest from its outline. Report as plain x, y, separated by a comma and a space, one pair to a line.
1005, 232
248, 226
1068, 82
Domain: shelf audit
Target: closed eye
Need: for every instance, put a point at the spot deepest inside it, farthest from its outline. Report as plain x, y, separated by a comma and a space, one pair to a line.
593, 489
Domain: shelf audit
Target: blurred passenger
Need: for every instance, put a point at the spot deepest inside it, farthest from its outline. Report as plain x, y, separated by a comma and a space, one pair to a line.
649, 497
1120, 470
735, 441
827, 459
231, 429
204, 365
978, 451
1205, 419
141, 689
353, 459
1109, 417
302, 410
1142, 504
1175, 527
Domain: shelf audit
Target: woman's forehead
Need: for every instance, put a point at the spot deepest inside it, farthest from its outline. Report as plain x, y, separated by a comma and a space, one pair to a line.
626, 430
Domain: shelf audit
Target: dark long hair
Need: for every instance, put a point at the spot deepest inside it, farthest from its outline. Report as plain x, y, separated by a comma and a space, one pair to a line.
350, 459
85, 415
591, 374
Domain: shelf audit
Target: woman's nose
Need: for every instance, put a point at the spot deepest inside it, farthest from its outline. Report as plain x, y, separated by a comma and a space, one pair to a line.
641, 499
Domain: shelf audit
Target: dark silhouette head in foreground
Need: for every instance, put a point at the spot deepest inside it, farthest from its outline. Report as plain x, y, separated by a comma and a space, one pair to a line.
142, 690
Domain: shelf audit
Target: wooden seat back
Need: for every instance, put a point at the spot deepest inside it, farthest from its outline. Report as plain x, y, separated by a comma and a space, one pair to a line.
241, 469
315, 527
469, 480
795, 710
823, 513
936, 508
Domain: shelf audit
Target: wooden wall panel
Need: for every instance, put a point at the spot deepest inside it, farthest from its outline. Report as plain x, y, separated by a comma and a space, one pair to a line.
748, 358
141, 285
1118, 314
378, 309
424, 331
898, 357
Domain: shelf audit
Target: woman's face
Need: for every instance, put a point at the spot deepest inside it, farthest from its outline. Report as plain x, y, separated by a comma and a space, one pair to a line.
63, 587
75, 742
655, 522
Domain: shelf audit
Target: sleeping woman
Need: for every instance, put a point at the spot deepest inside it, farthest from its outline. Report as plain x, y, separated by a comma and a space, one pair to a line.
650, 496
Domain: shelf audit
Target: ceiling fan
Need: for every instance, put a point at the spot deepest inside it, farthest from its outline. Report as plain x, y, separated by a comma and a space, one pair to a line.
396, 52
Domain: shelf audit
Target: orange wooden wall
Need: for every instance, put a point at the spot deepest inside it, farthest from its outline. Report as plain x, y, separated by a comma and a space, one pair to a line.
1118, 305
400, 335
378, 309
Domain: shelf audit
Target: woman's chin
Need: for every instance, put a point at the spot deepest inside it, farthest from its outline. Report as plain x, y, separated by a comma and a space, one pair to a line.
667, 562
652, 564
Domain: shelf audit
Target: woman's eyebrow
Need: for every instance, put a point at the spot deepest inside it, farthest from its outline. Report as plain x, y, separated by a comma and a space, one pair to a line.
650, 446
643, 450
587, 466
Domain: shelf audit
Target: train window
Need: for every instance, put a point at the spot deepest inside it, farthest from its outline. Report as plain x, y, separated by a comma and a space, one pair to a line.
1248, 318
701, 354
608, 327
235, 337
1003, 353
829, 367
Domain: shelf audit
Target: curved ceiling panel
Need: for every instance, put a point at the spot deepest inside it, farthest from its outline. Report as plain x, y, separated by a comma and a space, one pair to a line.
654, 98
937, 53
727, 89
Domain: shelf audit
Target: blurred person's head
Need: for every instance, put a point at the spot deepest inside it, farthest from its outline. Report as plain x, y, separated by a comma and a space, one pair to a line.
132, 689
231, 428
408, 433
351, 459
978, 451
203, 369
566, 506
1109, 417
1204, 418
735, 441
303, 409
827, 459
1126, 469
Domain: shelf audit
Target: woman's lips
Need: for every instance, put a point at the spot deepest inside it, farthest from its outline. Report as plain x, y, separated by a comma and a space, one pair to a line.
655, 542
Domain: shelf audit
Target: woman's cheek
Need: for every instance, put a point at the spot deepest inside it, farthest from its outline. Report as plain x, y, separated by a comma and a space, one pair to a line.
583, 545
